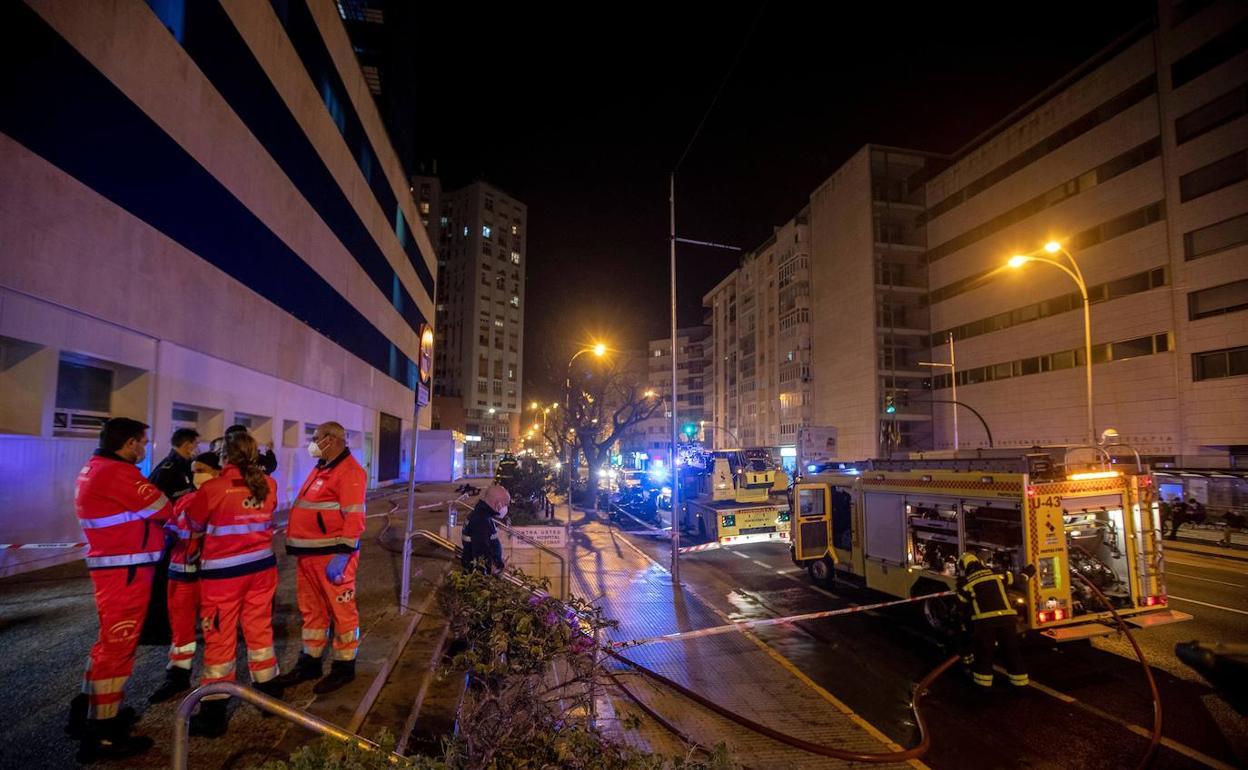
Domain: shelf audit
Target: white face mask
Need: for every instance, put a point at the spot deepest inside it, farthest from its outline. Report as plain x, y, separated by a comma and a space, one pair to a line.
314, 449
200, 478
502, 511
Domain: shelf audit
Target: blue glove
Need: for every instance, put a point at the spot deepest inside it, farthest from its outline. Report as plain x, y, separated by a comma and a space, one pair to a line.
337, 568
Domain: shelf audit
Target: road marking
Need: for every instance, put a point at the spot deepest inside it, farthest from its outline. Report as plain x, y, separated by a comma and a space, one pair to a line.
1206, 580
1181, 748
739, 553
1207, 604
785, 663
761, 563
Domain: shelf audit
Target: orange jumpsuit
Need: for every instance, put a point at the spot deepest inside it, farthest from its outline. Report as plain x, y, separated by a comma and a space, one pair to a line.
183, 590
238, 575
121, 514
327, 519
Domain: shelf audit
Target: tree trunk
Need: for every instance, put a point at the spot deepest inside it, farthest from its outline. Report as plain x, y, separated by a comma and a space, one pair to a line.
593, 459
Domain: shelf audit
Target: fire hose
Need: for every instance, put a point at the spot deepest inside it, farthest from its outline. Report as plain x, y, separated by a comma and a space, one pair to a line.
1155, 738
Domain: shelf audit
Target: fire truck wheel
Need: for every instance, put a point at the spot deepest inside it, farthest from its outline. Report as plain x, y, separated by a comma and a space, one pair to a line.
821, 572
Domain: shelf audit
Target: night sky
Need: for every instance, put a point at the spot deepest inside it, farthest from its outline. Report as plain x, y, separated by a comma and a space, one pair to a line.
582, 117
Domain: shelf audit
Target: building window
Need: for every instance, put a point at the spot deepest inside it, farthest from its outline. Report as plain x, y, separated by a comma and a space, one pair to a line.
1217, 300
81, 386
172, 13
465, 231
1221, 173
1216, 237
485, 231
515, 301
1211, 115
1216, 364
1209, 55
515, 257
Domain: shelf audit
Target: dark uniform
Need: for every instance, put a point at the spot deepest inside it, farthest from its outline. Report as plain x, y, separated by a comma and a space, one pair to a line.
173, 476
480, 538
992, 620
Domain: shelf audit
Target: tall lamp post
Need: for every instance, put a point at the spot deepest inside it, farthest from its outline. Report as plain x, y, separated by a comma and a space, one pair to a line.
1054, 247
599, 350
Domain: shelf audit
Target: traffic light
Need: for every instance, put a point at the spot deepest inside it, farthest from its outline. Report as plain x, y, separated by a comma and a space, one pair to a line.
690, 430
890, 405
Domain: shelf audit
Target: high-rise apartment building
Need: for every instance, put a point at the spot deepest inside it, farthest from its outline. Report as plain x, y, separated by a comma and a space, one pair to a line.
202, 223
1137, 163
759, 352
480, 316
692, 367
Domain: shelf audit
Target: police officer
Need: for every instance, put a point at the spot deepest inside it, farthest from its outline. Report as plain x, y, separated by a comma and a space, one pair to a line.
173, 476
268, 460
121, 514
481, 549
992, 619
326, 521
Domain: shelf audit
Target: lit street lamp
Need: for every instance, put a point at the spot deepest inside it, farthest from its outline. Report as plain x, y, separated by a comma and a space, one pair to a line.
1053, 247
599, 350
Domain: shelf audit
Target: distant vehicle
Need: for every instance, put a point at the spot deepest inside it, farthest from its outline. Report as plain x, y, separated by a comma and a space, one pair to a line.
738, 499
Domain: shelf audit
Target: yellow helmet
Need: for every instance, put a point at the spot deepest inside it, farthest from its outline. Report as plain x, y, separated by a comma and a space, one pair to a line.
966, 561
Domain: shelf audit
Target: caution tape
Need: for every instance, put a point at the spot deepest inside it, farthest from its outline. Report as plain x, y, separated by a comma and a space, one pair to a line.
701, 547
39, 546
649, 530
743, 625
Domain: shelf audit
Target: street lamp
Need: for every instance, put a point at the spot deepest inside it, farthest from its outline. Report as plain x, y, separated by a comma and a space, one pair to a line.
1054, 247
952, 366
599, 350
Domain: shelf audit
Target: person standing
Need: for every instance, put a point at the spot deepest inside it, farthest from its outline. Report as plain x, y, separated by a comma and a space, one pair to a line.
183, 590
1178, 517
173, 475
238, 576
268, 460
992, 620
326, 521
121, 514
481, 549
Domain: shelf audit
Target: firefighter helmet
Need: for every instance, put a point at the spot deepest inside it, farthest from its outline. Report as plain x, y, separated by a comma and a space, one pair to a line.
968, 563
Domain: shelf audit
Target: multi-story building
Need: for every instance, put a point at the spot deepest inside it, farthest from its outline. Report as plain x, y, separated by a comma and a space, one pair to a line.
202, 223
692, 347
634, 369
759, 352
1137, 163
480, 311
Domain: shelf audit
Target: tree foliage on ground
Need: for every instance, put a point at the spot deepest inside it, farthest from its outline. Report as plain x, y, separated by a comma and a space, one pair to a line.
527, 487
516, 715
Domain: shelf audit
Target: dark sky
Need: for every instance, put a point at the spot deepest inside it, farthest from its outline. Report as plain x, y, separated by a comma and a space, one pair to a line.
581, 117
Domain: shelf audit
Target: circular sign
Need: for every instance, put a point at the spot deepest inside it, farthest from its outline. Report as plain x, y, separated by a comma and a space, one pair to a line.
426, 353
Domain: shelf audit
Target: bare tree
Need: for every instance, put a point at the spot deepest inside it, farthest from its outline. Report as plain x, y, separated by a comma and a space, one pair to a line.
606, 401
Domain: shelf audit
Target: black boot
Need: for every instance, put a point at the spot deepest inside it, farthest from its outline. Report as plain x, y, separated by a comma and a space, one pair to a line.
76, 724
177, 680
110, 739
212, 718
340, 673
307, 669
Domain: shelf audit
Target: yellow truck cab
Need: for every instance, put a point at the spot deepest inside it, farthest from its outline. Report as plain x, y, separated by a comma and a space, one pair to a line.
899, 526
737, 501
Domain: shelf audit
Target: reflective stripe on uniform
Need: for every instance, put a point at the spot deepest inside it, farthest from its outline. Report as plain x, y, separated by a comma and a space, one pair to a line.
323, 542
261, 655
124, 559
346, 653
239, 529
104, 686
326, 506
353, 508
315, 633
234, 561
1020, 680
983, 680
185, 534
179, 567
125, 517
260, 675
217, 670
348, 637
349, 542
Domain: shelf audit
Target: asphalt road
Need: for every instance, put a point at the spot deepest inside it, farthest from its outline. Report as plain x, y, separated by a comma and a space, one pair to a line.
1089, 708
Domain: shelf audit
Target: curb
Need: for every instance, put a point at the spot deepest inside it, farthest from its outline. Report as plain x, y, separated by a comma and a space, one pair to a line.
1228, 556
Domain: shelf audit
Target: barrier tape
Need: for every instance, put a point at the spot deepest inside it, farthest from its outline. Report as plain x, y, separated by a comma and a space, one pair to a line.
701, 547
745, 624
39, 546
649, 530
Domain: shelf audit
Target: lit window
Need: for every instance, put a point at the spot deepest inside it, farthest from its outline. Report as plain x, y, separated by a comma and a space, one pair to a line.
485, 231
465, 231
424, 207
515, 229
515, 257
444, 221
515, 301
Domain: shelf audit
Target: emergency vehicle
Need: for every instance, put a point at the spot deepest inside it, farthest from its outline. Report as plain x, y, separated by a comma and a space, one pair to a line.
898, 526
740, 498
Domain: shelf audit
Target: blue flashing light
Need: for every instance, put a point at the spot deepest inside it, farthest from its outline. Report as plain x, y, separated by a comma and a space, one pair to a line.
812, 468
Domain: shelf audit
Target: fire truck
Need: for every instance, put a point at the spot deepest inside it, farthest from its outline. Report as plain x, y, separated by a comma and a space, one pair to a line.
735, 497
898, 527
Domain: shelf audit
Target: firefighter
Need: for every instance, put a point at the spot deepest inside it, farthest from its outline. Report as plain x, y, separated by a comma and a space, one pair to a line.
992, 620
183, 591
326, 521
481, 549
121, 514
238, 576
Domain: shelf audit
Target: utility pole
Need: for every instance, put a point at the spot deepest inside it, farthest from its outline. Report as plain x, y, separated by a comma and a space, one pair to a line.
671, 204
952, 366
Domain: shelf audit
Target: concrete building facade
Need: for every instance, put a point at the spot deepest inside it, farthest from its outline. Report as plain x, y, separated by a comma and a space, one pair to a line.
1138, 164
759, 356
480, 308
692, 367
201, 223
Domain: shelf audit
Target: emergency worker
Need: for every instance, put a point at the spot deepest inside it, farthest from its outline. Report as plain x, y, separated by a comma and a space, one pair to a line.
481, 549
238, 576
268, 460
326, 521
121, 514
992, 620
173, 477
183, 591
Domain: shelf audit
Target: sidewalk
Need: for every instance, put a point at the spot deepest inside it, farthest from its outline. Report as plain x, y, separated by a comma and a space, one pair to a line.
735, 670
1204, 541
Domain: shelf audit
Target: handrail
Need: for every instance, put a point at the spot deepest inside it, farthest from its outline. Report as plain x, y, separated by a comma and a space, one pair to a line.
564, 573
181, 723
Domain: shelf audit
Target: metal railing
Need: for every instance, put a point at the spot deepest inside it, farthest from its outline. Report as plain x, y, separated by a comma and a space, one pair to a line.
181, 723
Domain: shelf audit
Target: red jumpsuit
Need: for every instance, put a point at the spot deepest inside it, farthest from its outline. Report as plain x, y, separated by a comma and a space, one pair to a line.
183, 590
238, 575
327, 519
121, 514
